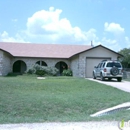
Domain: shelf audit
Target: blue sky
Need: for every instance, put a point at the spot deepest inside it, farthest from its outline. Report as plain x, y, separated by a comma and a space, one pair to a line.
104, 22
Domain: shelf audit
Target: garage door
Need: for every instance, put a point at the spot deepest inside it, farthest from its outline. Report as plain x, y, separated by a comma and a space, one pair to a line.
90, 63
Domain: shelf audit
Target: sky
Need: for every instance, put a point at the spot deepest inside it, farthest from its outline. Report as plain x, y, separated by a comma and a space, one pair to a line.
104, 22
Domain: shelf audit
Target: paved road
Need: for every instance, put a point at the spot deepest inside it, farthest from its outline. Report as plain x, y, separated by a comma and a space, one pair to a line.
124, 85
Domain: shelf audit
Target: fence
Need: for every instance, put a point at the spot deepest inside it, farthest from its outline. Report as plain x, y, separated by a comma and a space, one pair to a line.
126, 74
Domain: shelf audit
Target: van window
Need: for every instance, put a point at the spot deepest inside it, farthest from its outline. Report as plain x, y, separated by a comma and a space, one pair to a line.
103, 65
100, 65
112, 64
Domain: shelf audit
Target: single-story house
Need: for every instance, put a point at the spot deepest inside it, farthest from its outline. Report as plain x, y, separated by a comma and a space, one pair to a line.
81, 59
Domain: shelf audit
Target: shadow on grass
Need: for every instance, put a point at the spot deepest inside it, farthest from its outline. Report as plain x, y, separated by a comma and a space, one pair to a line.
13, 74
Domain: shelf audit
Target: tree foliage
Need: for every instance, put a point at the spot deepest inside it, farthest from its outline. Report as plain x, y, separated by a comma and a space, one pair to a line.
126, 59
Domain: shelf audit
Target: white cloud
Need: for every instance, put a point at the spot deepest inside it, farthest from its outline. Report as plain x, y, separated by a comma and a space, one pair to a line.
119, 40
43, 22
127, 41
49, 27
4, 36
111, 43
114, 28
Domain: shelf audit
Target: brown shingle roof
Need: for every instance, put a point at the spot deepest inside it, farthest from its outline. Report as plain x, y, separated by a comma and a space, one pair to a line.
42, 50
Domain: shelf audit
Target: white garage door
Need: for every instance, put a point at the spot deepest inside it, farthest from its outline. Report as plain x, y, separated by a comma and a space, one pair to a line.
90, 63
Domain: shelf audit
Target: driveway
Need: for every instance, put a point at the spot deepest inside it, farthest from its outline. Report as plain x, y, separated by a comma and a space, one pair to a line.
124, 85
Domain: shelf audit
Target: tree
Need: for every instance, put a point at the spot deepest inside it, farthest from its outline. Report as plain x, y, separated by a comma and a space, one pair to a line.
126, 59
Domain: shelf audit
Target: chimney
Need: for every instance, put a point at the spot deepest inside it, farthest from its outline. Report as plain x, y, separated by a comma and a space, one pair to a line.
92, 44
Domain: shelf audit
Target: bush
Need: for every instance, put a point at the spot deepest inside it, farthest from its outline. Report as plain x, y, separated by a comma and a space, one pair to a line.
11, 74
67, 72
42, 70
31, 71
53, 71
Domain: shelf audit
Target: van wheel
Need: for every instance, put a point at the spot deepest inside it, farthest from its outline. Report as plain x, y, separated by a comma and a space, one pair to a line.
119, 79
109, 79
94, 77
102, 78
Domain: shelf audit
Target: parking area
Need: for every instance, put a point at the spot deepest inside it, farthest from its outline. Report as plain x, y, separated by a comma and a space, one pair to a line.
124, 85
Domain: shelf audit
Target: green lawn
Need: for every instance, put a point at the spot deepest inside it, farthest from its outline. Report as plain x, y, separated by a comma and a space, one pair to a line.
27, 99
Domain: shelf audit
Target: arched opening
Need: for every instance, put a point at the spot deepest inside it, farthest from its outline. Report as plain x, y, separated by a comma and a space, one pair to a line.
19, 67
42, 63
61, 66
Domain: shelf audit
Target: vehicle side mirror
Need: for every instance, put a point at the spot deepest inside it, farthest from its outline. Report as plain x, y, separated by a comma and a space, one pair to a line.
95, 66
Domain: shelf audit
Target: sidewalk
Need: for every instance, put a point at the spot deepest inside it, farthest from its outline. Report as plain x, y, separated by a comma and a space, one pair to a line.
63, 126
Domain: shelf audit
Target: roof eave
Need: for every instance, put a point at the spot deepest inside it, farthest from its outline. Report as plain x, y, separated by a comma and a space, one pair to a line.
42, 57
6, 51
96, 47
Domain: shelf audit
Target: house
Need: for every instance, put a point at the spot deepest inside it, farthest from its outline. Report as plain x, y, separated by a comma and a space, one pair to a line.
18, 57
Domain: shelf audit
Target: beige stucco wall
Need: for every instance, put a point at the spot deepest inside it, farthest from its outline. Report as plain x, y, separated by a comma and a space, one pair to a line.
96, 52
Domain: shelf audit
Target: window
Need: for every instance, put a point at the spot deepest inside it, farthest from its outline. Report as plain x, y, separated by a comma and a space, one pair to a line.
112, 64
42, 63
98, 65
103, 65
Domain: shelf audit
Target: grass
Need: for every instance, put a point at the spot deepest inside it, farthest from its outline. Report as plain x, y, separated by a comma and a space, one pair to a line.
26, 99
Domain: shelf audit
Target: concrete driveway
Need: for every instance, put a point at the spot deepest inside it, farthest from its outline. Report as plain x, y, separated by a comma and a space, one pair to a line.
124, 85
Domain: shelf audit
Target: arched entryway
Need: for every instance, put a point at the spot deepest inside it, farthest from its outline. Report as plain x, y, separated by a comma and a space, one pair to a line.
61, 66
42, 63
19, 67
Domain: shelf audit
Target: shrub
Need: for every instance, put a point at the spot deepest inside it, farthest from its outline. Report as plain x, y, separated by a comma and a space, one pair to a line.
53, 71
11, 74
42, 70
67, 72
31, 71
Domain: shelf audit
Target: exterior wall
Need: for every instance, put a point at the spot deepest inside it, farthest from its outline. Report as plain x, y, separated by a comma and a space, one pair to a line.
31, 61
97, 52
1, 62
75, 65
5, 63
